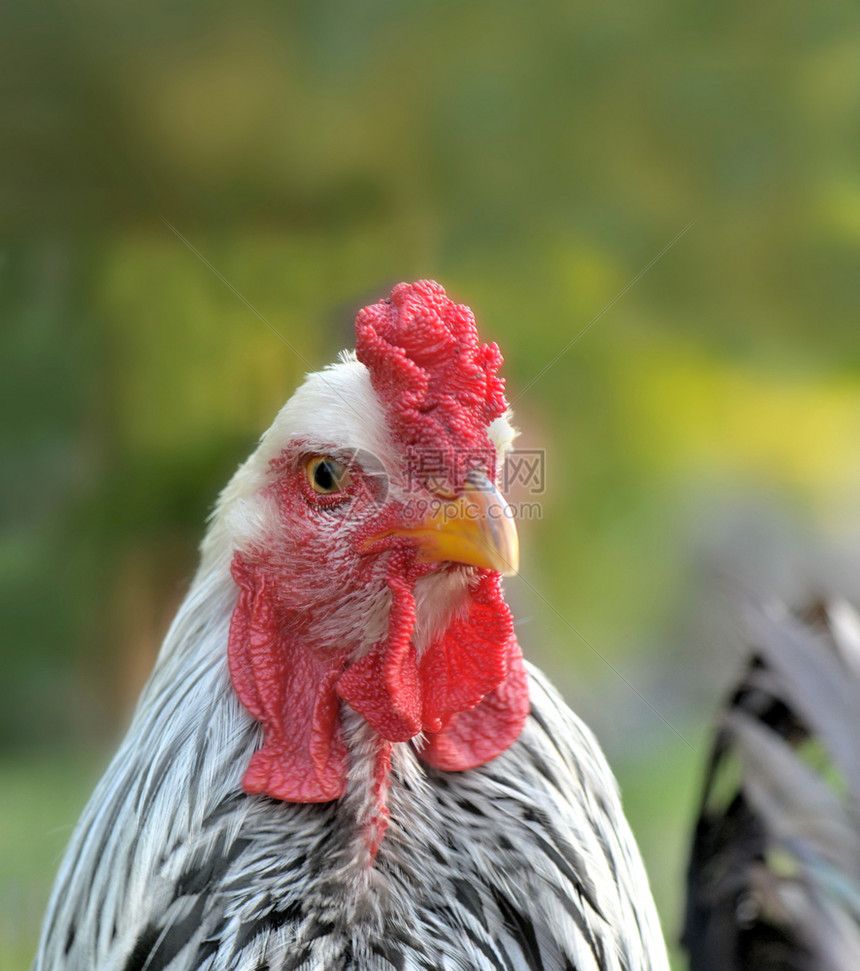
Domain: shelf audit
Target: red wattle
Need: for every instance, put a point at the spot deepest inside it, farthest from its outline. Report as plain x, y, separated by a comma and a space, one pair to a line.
384, 685
469, 694
470, 659
477, 735
289, 690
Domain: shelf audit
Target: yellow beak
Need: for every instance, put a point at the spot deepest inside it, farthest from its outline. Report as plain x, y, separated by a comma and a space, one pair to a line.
477, 529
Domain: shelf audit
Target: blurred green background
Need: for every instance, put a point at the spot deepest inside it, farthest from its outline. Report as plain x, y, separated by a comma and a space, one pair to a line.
701, 436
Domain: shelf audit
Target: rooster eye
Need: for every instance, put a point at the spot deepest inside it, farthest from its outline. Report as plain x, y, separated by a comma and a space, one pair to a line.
326, 475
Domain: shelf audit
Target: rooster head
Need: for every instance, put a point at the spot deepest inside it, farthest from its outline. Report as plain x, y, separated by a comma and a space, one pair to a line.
367, 538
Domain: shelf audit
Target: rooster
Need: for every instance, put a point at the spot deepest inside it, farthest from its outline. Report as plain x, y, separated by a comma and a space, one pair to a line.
341, 759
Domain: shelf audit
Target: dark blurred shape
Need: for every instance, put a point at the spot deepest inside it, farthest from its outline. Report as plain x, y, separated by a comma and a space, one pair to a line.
773, 882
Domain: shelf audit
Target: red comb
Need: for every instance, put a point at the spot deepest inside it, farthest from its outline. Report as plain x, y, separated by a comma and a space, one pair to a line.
436, 381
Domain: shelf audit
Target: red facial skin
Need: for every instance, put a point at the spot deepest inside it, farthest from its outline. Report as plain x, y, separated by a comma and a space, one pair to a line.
466, 692
294, 646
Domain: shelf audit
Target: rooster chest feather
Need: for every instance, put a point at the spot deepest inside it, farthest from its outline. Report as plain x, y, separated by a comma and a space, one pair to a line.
523, 862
